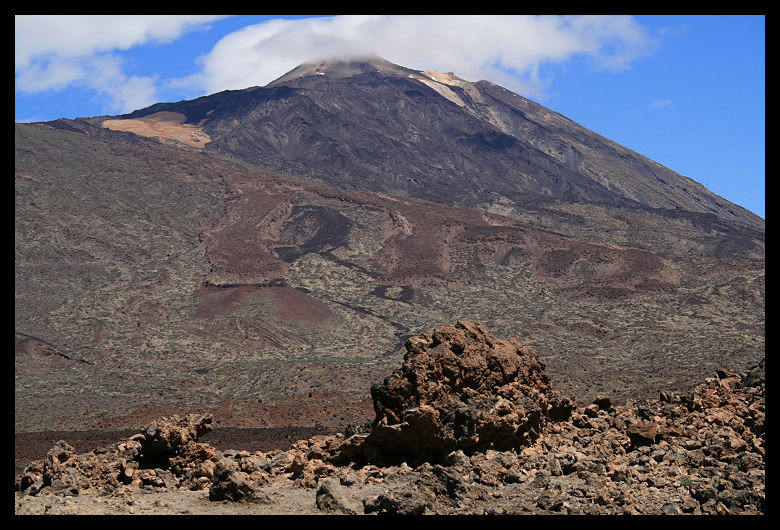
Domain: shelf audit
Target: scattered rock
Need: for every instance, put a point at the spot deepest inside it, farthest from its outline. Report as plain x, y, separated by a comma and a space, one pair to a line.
332, 498
468, 425
407, 501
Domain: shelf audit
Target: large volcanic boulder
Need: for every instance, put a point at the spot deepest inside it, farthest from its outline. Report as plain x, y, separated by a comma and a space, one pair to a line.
460, 388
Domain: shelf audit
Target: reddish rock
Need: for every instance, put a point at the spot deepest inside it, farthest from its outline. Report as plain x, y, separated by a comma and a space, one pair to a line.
603, 403
591, 411
56, 460
298, 464
168, 434
58, 468
193, 462
460, 388
642, 433
561, 407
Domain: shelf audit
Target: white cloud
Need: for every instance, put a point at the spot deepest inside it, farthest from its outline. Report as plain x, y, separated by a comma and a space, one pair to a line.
49, 75
56, 52
124, 92
508, 50
82, 35
660, 103
53, 52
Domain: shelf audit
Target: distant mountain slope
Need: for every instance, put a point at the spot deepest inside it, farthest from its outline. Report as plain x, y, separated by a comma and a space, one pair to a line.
370, 124
153, 279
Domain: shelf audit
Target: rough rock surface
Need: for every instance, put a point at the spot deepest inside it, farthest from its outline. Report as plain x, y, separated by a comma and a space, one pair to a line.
700, 452
165, 438
460, 388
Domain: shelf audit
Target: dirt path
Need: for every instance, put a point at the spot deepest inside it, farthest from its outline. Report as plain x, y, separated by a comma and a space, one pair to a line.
284, 500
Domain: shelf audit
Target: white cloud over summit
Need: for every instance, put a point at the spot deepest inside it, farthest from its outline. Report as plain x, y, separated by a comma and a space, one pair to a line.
508, 50
56, 52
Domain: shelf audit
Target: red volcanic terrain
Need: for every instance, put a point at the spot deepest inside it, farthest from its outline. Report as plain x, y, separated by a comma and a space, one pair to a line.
270, 275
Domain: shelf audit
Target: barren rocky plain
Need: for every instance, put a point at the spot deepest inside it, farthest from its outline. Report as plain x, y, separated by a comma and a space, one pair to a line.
469, 424
156, 278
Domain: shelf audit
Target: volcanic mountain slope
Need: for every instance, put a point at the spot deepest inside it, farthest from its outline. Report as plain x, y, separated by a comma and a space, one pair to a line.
370, 124
204, 256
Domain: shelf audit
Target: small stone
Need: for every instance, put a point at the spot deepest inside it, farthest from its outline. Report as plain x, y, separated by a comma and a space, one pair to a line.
603, 403
591, 411
642, 433
331, 498
555, 467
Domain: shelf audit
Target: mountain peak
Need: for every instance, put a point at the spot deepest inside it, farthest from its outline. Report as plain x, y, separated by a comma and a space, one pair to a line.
342, 67
445, 78
351, 66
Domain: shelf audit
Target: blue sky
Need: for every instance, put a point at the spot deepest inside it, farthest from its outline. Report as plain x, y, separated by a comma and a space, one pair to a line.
685, 91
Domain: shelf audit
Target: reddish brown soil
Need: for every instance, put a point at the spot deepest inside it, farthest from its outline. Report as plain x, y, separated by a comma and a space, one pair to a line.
213, 300
240, 247
296, 306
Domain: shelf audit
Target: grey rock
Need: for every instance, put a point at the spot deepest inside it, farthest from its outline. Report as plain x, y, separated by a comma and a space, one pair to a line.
406, 501
332, 497
231, 484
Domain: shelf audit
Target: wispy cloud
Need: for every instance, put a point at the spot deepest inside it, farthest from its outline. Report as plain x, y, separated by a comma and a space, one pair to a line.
661, 103
53, 52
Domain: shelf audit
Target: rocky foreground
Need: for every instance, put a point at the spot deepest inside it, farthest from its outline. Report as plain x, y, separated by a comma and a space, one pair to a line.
467, 425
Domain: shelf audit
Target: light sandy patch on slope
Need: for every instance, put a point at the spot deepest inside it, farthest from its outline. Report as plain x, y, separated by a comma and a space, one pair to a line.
441, 83
442, 89
164, 126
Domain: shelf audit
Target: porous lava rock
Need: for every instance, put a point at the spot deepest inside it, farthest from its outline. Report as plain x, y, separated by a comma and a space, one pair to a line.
232, 484
459, 388
162, 439
165, 454
704, 452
